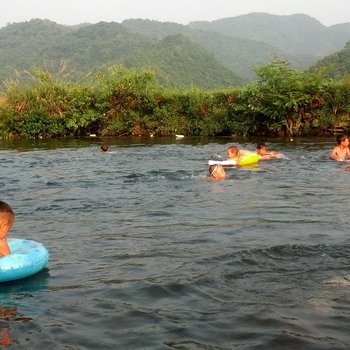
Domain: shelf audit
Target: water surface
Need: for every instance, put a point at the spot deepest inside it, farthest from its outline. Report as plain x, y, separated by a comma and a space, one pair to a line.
147, 253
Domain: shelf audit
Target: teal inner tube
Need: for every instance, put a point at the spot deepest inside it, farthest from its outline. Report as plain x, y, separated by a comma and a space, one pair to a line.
27, 258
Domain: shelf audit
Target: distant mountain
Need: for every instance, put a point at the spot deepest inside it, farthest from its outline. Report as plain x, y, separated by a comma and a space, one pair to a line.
339, 31
209, 55
154, 29
178, 61
335, 66
22, 44
243, 42
240, 55
294, 34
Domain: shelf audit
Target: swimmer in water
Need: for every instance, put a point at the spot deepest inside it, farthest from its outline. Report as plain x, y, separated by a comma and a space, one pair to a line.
217, 172
341, 151
104, 148
261, 150
233, 153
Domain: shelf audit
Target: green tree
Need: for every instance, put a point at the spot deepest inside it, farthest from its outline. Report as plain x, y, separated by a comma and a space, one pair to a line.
282, 97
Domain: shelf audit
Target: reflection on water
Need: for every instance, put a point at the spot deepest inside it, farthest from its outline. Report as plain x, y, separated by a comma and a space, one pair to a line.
147, 253
16, 308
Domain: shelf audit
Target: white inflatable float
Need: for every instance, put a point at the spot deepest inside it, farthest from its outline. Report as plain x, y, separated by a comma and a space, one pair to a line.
245, 160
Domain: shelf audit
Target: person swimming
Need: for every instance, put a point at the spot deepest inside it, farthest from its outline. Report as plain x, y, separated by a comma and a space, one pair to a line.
341, 151
217, 172
261, 150
104, 148
233, 153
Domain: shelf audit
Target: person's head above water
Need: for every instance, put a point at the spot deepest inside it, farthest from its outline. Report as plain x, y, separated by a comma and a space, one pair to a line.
217, 172
104, 148
7, 217
261, 149
342, 139
232, 152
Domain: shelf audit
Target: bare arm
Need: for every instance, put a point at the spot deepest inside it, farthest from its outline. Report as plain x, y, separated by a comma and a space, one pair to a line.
348, 152
4, 248
334, 154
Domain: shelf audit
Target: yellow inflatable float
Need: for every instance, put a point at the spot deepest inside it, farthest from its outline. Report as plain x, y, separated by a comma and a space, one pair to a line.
246, 159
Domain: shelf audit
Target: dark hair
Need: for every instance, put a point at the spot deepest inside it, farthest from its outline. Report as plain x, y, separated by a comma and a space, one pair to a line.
232, 148
212, 168
104, 148
341, 138
260, 145
5, 208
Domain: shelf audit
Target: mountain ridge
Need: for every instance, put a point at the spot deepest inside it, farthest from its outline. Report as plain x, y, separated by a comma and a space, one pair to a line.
214, 54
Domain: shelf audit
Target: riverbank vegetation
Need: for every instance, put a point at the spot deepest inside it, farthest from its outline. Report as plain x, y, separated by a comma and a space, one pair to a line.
121, 101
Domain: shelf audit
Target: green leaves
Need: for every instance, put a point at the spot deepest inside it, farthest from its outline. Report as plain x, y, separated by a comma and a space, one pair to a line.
129, 102
282, 95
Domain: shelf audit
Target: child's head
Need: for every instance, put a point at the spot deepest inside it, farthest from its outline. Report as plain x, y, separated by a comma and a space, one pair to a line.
217, 172
104, 148
261, 149
232, 152
342, 139
7, 218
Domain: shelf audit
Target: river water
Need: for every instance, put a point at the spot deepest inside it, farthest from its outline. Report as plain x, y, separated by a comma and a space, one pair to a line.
147, 253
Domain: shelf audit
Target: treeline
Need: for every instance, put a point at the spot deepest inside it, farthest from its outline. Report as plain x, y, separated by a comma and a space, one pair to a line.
121, 101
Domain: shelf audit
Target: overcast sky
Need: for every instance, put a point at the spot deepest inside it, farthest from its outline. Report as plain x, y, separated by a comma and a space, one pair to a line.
328, 12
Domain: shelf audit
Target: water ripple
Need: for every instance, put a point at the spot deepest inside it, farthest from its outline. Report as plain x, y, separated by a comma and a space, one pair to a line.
147, 253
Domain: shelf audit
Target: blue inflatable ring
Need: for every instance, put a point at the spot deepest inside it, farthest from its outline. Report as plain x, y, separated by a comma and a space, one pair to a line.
27, 258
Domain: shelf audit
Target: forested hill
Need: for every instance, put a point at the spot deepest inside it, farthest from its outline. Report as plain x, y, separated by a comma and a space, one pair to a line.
337, 65
296, 34
209, 55
243, 42
239, 55
177, 60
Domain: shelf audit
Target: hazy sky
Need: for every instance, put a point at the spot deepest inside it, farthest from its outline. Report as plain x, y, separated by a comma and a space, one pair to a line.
328, 12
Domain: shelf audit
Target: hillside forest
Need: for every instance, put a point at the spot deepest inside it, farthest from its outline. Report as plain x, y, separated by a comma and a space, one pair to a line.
109, 79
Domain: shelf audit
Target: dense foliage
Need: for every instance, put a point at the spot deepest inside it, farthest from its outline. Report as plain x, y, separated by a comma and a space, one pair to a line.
123, 101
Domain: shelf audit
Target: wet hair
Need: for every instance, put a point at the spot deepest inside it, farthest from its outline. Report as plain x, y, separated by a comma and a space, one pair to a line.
341, 138
233, 149
212, 168
260, 145
104, 148
5, 208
